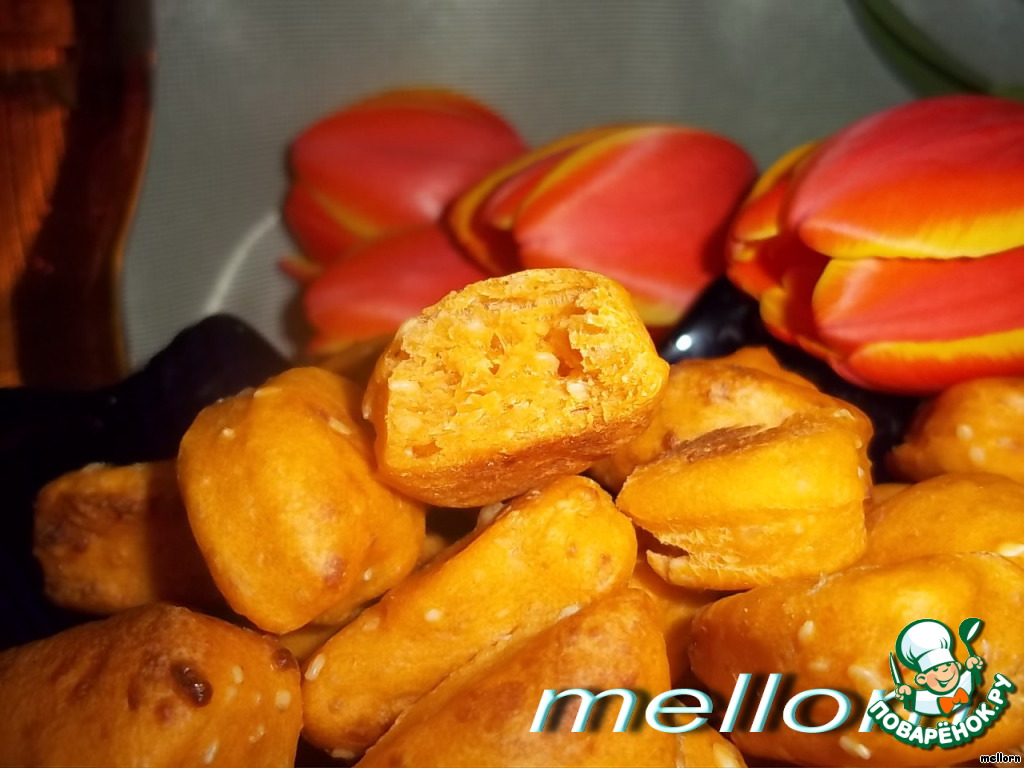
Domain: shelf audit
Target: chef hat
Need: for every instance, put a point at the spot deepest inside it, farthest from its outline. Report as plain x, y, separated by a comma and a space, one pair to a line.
924, 644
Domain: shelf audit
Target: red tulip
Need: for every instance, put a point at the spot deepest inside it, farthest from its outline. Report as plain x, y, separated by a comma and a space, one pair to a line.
895, 249
382, 283
646, 205
390, 162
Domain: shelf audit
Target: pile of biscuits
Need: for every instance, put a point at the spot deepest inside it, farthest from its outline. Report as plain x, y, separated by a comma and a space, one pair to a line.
523, 497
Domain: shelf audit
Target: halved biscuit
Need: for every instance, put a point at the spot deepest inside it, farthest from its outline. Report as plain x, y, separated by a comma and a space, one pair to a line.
509, 382
741, 507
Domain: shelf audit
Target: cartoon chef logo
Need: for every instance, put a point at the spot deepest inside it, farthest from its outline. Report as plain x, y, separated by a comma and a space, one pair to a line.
947, 708
946, 685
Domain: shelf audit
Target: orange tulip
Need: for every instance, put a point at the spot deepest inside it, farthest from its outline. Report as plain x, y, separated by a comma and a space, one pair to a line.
895, 249
646, 205
382, 283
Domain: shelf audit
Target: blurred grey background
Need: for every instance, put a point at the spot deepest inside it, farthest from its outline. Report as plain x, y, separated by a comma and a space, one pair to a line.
238, 79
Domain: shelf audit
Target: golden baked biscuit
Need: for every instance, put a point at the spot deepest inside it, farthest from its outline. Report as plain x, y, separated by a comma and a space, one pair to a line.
741, 507
112, 538
761, 359
838, 633
707, 748
676, 608
482, 714
974, 426
155, 686
509, 382
704, 395
286, 505
547, 553
949, 513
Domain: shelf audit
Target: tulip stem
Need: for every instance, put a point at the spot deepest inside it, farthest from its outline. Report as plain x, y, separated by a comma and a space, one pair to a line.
926, 66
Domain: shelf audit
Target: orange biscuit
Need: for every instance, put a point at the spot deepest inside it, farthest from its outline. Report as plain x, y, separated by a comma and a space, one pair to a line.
509, 382
975, 426
112, 538
704, 395
837, 632
547, 553
949, 513
286, 505
676, 608
157, 686
482, 714
742, 507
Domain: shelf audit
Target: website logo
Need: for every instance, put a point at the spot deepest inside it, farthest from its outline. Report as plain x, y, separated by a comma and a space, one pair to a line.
944, 705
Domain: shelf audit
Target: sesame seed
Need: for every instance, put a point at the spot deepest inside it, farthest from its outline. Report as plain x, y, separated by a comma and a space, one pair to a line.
818, 665
368, 574
488, 513
367, 410
227, 433
434, 614
236, 675
210, 753
976, 454
231, 692
256, 699
805, 632
964, 431
855, 748
724, 757
283, 699
403, 385
338, 426
343, 754
315, 667
266, 391
1010, 549
257, 734
568, 611
577, 389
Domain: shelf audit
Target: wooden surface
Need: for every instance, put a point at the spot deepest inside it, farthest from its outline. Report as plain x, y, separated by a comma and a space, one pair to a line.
74, 126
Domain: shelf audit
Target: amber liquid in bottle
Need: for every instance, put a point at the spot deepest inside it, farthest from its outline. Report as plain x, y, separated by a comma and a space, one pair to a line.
74, 128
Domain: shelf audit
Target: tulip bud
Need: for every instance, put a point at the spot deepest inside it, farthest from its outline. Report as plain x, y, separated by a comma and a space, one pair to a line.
895, 249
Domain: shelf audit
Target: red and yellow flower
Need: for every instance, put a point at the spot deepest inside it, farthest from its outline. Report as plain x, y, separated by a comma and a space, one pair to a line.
646, 205
894, 250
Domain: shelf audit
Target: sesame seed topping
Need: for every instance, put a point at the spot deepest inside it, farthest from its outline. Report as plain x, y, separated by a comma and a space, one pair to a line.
210, 753
724, 757
805, 632
577, 389
338, 426
434, 614
257, 734
368, 574
976, 454
283, 699
1010, 549
403, 385
568, 611
237, 675
852, 747
964, 431
315, 667
343, 754
227, 433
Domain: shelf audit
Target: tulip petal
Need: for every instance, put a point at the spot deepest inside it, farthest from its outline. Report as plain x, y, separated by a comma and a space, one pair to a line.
480, 218
384, 282
646, 206
398, 159
859, 302
786, 307
936, 178
760, 216
927, 368
321, 237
